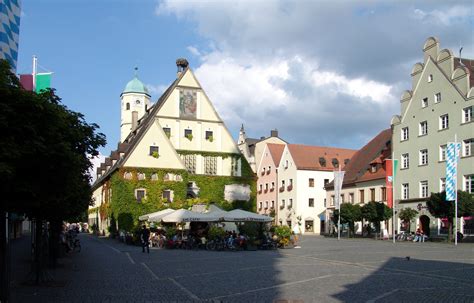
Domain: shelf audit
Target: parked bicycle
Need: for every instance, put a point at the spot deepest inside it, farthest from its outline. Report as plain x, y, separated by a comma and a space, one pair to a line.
405, 236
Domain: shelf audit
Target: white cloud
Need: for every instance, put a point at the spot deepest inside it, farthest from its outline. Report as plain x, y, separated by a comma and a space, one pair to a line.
157, 90
325, 72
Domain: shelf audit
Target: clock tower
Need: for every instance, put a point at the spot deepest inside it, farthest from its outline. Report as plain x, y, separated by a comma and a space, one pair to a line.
135, 102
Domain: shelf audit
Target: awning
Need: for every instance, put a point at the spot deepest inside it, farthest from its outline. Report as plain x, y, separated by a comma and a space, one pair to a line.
184, 215
156, 213
239, 215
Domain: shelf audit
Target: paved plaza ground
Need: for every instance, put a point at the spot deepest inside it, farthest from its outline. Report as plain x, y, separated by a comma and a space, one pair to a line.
322, 270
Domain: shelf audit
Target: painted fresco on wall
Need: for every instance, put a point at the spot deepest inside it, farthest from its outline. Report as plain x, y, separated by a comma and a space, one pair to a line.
187, 103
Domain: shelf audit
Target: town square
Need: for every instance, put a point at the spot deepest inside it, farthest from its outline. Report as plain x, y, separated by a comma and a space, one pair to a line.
237, 151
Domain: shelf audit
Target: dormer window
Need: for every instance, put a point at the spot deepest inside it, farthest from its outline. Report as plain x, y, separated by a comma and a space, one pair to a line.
430, 78
335, 162
346, 161
373, 168
322, 161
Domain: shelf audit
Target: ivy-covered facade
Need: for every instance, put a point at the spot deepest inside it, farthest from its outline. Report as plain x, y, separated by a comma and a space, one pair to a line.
158, 166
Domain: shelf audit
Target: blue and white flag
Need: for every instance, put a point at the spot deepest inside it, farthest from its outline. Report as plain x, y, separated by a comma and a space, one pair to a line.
452, 157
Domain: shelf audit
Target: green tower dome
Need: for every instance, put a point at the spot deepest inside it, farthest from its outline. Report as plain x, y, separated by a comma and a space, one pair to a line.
135, 86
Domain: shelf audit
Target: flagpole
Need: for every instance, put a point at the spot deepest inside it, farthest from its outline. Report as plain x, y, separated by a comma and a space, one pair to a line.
35, 63
393, 197
339, 208
456, 191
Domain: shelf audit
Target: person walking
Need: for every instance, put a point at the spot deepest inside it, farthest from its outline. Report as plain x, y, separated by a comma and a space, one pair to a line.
145, 238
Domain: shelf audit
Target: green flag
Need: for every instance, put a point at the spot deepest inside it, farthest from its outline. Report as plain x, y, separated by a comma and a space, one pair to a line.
43, 81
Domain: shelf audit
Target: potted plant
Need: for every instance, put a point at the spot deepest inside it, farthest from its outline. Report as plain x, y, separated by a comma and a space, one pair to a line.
189, 137
155, 155
283, 233
210, 139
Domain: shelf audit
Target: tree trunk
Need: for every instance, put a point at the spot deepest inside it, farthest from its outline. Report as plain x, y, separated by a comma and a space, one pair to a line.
4, 258
55, 229
450, 230
38, 248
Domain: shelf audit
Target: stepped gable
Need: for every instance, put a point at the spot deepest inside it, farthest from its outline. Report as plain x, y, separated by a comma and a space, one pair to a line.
308, 157
470, 66
374, 152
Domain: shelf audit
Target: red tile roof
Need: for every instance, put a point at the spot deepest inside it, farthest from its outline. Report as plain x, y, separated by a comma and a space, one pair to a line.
276, 150
374, 152
308, 157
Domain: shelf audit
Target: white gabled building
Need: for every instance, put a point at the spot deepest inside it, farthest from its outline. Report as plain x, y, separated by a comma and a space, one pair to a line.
302, 173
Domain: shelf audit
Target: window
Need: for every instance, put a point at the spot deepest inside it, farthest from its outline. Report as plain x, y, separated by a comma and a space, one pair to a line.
127, 176
322, 161
469, 183
168, 195
437, 97
405, 191
332, 200
209, 136
273, 204
290, 203
430, 78
326, 181
373, 168
423, 157
190, 163
266, 187
263, 171
335, 162
266, 204
137, 102
372, 194
261, 187
273, 186
141, 176
342, 198
127, 106
467, 114
308, 226
260, 205
351, 198
167, 131
467, 147
443, 122
311, 182
423, 189
282, 203
188, 133
442, 152
405, 161
442, 184
140, 194
154, 151
383, 193
311, 202
154, 177
361, 196
210, 165
286, 164
423, 130
283, 183
288, 222
269, 169
404, 134
424, 102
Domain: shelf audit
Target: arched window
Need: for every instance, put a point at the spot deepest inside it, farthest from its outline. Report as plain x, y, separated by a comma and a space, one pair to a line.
127, 106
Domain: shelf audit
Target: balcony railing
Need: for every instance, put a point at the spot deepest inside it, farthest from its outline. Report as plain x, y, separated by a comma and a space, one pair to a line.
272, 189
265, 191
268, 172
282, 189
290, 187
263, 173
260, 191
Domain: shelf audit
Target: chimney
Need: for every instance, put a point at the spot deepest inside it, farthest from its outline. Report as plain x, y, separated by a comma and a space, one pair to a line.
262, 138
182, 64
274, 133
134, 120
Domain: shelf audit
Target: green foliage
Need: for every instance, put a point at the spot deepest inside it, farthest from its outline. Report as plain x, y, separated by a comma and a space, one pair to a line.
375, 212
113, 227
216, 232
211, 191
210, 139
125, 222
171, 232
93, 210
253, 230
407, 215
283, 232
189, 137
440, 208
350, 213
155, 154
45, 153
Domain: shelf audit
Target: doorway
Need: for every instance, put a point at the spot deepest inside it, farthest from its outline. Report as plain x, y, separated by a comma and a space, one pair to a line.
425, 224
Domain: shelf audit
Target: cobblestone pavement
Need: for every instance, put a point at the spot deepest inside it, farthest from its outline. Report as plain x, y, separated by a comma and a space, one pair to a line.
323, 270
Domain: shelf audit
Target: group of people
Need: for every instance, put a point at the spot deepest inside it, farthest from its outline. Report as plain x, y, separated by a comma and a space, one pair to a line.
420, 236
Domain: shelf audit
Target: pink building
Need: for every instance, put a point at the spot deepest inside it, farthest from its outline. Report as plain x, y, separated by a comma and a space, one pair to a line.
267, 172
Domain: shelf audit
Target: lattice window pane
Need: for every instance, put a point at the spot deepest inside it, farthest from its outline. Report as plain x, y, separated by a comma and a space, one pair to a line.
190, 163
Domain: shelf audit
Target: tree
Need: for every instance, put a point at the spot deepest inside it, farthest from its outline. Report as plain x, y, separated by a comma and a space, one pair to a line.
440, 208
375, 212
45, 152
350, 213
407, 214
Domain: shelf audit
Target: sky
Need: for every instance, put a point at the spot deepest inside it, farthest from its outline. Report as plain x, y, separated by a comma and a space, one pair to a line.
327, 73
